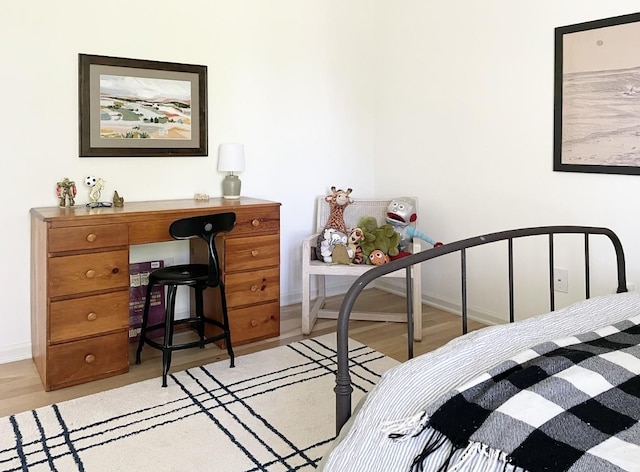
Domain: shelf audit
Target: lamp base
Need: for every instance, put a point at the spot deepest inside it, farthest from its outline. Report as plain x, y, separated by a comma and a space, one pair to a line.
231, 187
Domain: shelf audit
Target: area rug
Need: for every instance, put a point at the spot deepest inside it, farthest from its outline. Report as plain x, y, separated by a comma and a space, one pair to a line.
275, 411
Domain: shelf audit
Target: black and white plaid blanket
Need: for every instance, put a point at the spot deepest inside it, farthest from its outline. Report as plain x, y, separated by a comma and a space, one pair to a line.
568, 405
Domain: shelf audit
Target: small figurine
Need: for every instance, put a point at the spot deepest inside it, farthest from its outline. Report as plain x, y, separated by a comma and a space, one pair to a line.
96, 185
118, 201
66, 192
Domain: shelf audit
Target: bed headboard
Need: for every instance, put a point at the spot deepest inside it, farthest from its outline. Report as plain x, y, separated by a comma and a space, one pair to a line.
343, 386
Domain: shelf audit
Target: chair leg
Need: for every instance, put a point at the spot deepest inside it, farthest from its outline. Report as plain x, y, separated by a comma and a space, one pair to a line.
416, 280
168, 332
199, 314
145, 322
225, 321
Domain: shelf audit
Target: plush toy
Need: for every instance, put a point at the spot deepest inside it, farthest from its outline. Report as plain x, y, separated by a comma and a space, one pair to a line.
338, 201
333, 247
383, 238
356, 237
377, 257
401, 213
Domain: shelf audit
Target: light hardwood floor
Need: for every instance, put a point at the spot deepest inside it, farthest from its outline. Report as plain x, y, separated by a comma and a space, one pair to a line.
21, 390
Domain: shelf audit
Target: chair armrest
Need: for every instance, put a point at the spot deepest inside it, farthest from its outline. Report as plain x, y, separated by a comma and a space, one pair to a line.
307, 244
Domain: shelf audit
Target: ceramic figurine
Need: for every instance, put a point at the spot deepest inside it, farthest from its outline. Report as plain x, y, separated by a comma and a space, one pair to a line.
118, 201
96, 185
66, 192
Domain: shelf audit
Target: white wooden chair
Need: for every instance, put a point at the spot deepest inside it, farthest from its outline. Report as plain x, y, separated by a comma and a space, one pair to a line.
320, 270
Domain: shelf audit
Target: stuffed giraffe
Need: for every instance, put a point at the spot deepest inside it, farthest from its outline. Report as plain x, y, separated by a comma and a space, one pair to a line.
338, 201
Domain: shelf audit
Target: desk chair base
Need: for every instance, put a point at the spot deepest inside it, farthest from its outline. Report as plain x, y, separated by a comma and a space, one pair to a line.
164, 277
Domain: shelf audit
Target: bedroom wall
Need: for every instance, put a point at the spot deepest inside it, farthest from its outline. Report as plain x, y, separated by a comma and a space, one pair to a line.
289, 79
449, 101
465, 104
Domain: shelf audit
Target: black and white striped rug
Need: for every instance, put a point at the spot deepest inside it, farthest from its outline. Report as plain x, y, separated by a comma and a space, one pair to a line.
275, 411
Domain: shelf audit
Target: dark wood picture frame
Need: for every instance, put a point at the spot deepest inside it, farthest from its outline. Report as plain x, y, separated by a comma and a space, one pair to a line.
132, 107
597, 96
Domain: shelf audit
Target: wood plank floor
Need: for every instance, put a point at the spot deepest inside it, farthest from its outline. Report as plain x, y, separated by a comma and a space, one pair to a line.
21, 390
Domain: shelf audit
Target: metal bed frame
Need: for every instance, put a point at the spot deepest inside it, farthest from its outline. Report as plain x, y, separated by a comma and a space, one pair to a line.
343, 388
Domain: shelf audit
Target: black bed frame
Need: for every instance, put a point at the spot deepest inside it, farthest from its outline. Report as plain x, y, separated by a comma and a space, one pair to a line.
343, 388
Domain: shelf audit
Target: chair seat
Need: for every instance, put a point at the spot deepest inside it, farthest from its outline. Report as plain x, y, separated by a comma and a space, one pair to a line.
184, 274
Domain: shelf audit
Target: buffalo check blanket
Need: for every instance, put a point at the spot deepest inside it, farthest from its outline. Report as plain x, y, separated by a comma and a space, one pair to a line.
571, 404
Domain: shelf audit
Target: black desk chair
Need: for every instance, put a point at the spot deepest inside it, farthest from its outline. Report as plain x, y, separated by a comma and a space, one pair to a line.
197, 276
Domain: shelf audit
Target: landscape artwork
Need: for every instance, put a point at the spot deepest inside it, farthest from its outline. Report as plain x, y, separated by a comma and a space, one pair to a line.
137, 107
144, 108
598, 122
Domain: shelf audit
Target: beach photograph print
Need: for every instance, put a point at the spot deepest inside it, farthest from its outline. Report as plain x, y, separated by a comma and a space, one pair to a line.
600, 98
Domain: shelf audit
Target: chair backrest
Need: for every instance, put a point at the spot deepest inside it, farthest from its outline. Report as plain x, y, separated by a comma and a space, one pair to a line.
205, 227
356, 210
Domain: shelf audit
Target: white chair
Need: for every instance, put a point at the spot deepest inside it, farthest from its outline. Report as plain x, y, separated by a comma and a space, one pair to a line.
320, 270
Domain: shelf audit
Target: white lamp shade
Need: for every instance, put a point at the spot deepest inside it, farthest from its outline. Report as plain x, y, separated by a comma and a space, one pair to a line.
231, 157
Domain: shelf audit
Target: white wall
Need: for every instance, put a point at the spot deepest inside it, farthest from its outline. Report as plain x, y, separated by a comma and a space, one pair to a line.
449, 101
465, 102
289, 79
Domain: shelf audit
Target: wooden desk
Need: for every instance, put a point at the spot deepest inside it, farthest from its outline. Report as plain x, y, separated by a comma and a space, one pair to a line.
80, 279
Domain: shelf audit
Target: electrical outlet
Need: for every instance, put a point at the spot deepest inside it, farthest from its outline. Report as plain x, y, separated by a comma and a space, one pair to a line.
561, 280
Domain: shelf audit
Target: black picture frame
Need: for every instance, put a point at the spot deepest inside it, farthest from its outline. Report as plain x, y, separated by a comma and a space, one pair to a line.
597, 96
132, 108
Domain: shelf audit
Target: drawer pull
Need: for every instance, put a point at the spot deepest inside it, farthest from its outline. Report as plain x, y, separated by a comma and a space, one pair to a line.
115, 270
89, 358
264, 285
254, 288
255, 223
255, 252
90, 274
91, 237
254, 323
92, 316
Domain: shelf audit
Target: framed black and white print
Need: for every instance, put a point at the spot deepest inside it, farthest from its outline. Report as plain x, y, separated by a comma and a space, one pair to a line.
131, 107
597, 96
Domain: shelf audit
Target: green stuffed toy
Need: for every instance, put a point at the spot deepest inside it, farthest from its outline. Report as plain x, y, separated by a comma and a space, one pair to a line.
385, 238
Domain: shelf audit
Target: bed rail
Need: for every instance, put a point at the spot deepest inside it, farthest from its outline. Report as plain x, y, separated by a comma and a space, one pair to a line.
343, 388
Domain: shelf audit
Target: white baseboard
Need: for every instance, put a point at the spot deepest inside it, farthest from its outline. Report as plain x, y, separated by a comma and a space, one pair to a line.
15, 352
453, 307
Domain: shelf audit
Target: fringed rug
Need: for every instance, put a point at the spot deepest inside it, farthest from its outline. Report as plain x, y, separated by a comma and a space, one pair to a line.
275, 411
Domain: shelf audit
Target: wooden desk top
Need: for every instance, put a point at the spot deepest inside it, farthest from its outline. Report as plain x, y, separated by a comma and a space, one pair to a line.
131, 210
149, 221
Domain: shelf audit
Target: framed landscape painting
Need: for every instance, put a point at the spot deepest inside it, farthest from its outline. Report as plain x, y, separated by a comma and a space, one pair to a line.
131, 107
597, 96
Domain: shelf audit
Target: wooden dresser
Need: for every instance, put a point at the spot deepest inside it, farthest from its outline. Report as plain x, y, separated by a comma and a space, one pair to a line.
80, 279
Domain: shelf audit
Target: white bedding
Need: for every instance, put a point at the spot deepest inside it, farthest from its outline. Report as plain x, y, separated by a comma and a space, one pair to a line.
406, 389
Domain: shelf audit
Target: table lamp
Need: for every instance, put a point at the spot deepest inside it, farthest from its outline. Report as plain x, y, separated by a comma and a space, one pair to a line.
231, 159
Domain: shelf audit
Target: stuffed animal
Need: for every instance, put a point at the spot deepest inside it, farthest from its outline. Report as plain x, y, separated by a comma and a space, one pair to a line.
356, 237
401, 214
384, 238
338, 201
333, 247
377, 257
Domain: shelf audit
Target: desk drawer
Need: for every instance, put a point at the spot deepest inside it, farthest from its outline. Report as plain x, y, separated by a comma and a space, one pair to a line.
247, 288
255, 221
83, 238
86, 316
83, 273
252, 252
88, 359
255, 322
